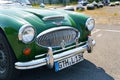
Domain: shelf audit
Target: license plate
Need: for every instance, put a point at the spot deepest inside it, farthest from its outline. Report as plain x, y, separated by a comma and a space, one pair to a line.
59, 65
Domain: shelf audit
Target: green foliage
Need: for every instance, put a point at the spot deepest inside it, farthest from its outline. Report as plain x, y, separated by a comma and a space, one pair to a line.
114, 0
93, 0
88, 0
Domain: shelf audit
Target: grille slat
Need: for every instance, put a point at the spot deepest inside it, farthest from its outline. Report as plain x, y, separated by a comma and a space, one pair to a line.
55, 36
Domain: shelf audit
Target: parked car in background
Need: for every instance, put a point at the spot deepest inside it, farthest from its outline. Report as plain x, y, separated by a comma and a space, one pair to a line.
16, 3
96, 5
90, 7
83, 2
69, 8
101, 4
31, 38
80, 7
117, 3
112, 4
23, 2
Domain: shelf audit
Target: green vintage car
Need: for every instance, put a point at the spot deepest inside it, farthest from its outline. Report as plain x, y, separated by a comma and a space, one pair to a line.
31, 38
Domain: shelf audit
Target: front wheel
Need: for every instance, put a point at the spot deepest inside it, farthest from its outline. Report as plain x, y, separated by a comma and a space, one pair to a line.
7, 60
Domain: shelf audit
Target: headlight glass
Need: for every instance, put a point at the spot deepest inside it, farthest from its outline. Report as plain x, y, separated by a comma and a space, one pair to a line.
90, 23
26, 33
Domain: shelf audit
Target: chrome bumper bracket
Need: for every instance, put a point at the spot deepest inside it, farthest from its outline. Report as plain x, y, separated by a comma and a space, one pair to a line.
91, 44
49, 58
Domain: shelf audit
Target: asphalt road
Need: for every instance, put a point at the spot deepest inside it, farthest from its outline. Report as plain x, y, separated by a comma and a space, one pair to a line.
102, 64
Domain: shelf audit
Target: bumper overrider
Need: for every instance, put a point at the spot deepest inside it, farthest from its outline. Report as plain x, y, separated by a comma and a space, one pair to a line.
50, 58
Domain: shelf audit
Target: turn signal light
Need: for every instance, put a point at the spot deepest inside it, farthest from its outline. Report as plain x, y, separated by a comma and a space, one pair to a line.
27, 51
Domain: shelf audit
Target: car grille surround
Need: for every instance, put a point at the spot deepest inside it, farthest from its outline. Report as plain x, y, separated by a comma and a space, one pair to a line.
57, 37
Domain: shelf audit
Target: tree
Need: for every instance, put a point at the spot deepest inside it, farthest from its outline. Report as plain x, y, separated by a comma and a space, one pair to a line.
50, 2
64, 2
94, 0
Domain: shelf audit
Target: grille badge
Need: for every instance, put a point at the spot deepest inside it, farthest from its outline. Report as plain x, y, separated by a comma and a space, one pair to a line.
63, 44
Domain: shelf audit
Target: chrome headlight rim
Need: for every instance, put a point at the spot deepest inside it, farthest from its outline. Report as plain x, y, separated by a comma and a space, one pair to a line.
90, 24
22, 30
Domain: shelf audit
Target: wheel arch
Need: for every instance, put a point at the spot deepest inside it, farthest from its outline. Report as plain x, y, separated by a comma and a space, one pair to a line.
3, 33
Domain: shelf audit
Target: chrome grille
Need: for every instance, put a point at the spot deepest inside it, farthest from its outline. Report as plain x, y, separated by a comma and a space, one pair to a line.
56, 37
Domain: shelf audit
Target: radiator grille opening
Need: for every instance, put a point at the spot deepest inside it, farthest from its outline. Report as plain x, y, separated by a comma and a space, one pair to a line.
55, 36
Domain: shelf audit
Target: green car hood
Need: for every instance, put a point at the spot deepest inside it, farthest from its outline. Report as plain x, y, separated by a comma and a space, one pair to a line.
35, 17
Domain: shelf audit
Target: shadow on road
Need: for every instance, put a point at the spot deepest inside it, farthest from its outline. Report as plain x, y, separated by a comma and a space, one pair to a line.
81, 71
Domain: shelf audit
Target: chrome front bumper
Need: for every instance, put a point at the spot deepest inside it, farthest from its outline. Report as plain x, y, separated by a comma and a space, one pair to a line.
50, 58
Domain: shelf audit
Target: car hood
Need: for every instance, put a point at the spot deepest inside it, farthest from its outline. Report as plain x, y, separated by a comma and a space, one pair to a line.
40, 18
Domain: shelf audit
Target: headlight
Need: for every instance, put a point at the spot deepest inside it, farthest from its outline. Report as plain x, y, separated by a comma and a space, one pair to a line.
90, 23
26, 33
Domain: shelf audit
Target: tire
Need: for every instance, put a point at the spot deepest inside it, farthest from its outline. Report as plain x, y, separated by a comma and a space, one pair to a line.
70, 9
89, 50
7, 60
90, 8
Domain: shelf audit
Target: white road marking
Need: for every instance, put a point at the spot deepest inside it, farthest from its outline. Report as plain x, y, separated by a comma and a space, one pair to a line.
112, 30
99, 35
97, 30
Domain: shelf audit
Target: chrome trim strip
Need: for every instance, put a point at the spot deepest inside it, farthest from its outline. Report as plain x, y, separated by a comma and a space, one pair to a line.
61, 49
41, 62
68, 47
53, 17
57, 28
40, 55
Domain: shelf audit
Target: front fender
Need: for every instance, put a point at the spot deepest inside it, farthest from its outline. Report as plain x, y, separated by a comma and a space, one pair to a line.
10, 26
80, 21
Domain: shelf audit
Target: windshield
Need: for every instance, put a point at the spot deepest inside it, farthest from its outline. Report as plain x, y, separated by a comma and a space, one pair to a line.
18, 2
